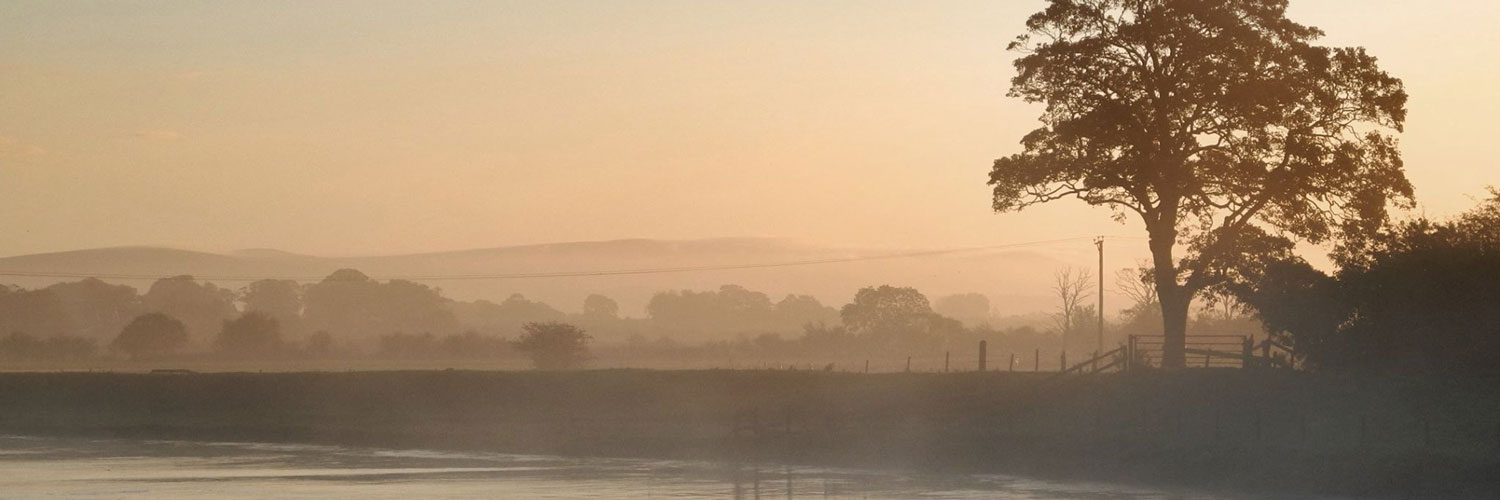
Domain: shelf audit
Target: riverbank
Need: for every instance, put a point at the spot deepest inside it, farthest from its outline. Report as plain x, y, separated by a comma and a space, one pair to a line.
1274, 432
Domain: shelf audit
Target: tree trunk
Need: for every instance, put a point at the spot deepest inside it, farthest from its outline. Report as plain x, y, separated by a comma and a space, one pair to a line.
1174, 313
1174, 298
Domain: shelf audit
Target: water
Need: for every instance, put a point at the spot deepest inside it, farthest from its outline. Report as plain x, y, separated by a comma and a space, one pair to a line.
78, 468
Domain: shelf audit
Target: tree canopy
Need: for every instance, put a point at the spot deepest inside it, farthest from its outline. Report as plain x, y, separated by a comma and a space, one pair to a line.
202, 307
253, 334
597, 306
1218, 123
1417, 297
348, 302
898, 318
151, 335
279, 299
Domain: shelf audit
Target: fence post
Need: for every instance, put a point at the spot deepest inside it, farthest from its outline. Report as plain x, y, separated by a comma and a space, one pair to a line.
1012, 362
1037, 363
1063, 363
984, 352
1130, 353
1247, 351
867, 366
908, 364
947, 355
1094, 363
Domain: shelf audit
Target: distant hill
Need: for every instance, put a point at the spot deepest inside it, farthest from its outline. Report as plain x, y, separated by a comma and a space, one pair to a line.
1017, 282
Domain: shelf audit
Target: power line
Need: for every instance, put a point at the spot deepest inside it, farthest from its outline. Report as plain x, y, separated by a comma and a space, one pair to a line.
565, 274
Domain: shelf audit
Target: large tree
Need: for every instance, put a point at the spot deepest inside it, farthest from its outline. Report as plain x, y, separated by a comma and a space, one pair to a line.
1217, 122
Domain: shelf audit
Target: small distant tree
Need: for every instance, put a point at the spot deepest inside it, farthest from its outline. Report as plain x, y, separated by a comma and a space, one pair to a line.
886, 309
19, 346
895, 319
253, 334
971, 308
599, 307
318, 344
151, 335
281, 299
553, 345
202, 307
1071, 288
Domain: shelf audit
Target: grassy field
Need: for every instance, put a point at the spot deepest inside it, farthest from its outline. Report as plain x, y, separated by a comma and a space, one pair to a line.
1230, 429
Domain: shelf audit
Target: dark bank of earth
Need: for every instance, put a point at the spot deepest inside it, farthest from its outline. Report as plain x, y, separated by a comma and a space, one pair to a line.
1262, 432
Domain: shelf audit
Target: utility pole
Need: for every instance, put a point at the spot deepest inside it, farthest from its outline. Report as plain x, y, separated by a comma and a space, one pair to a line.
1099, 242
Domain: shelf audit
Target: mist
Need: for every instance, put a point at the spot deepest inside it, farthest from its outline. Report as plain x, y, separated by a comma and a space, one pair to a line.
1074, 249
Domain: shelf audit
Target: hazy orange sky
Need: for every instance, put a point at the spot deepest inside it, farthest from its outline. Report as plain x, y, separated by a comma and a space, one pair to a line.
366, 127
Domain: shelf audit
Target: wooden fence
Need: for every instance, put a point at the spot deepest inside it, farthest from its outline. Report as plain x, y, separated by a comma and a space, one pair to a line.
1211, 351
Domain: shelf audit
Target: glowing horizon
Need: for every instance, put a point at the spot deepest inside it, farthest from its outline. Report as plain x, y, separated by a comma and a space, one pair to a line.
342, 128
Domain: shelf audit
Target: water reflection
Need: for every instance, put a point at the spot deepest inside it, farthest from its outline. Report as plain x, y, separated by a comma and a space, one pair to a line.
37, 467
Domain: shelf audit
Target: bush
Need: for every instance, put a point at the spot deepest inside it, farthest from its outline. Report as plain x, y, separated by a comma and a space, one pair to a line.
553, 345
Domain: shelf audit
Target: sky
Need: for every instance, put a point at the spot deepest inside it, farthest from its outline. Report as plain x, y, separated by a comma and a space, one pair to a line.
371, 127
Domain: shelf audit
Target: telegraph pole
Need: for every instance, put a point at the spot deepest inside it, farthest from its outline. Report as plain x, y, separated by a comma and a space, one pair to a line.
1099, 242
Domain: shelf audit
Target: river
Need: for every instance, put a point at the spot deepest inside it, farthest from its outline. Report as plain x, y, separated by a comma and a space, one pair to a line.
32, 467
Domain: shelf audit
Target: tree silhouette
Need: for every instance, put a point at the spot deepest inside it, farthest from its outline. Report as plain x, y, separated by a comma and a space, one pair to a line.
1301, 307
1417, 297
95, 309
971, 308
1218, 123
1143, 317
553, 345
730, 309
895, 319
202, 307
19, 346
797, 311
151, 335
253, 334
598, 307
886, 308
318, 344
280, 299
1071, 287
36, 312
349, 304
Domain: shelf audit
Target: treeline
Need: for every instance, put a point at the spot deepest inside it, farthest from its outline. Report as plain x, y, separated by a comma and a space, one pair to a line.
350, 314
1421, 296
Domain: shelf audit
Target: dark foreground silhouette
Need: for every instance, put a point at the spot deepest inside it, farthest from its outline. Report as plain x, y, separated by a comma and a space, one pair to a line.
1264, 432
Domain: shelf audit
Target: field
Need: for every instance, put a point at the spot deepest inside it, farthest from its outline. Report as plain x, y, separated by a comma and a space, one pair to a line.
1229, 430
